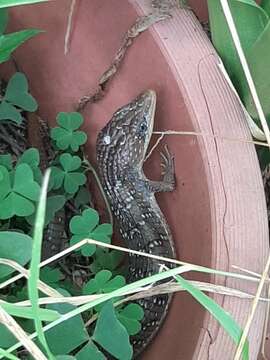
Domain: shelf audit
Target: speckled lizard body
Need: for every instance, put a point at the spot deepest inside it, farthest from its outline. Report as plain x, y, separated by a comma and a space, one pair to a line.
121, 148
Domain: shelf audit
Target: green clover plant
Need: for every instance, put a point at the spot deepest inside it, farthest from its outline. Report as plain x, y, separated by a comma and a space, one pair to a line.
16, 98
118, 345
66, 174
103, 282
6, 161
87, 226
105, 259
130, 316
32, 158
18, 192
67, 134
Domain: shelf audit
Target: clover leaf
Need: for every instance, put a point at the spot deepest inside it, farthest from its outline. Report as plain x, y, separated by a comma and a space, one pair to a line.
14, 246
6, 161
103, 283
90, 351
51, 276
130, 317
18, 191
87, 226
66, 175
104, 259
66, 135
32, 158
83, 197
111, 334
16, 97
54, 204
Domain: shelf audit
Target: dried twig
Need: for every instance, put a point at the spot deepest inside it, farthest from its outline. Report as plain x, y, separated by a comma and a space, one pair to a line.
255, 302
140, 25
21, 335
217, 137
154, 146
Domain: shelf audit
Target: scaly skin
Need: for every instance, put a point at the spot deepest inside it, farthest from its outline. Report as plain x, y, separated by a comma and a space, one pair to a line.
121, 148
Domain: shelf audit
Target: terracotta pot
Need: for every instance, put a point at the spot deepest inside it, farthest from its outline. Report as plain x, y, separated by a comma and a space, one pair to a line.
217, 213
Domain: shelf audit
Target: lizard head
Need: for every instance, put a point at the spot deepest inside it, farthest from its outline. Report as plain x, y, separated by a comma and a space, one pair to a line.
127, 134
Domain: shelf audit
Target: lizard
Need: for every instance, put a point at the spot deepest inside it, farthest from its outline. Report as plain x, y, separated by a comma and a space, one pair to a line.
121, 148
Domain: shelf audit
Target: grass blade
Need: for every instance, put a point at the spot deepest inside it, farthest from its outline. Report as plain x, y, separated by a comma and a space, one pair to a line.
27, 312
35, 263
116, 293
225, 319
245, 66
8, 3
8, 355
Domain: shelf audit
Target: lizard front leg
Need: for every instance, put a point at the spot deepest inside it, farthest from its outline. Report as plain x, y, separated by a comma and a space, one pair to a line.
168, 172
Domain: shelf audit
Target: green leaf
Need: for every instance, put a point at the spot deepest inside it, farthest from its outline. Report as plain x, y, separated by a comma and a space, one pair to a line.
30, 157
67, 176
8, 3
27, 312
16, 200
84, 226
17, 93
10, 241
253, 27
9, 42
6, 161
3, 20
15, 204
250, 21
223, 317
72, 181
265, 4
90, 351
57, 177
5, 186
102, 233
24, 183
51, 276
82, 197
69, 121
260, 74
111, 334
65, 135
130, 317
69, 162
7, 339
54, 204
104, 259
72, 330
264, 156
102, 283
9, 112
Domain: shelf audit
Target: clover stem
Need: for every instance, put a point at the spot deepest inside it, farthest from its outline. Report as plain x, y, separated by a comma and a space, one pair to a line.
91, 168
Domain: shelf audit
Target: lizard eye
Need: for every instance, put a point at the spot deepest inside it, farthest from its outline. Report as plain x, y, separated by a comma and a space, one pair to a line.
142, 128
